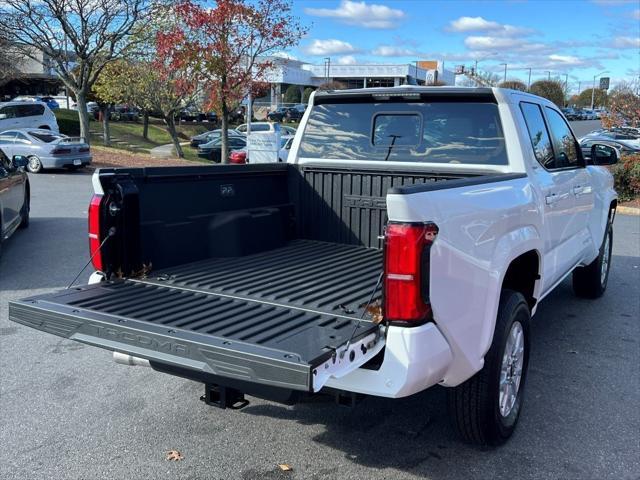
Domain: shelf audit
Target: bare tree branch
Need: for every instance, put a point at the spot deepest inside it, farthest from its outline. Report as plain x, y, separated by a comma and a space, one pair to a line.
77, 37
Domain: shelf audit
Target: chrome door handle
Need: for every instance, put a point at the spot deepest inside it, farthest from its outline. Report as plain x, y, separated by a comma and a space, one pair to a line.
551, 199
577, 190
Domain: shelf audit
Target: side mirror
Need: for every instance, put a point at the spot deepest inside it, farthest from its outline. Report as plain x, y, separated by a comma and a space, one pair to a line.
604, 154
19, 161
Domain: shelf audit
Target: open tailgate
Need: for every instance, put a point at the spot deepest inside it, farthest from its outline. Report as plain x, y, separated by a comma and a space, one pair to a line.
233, 337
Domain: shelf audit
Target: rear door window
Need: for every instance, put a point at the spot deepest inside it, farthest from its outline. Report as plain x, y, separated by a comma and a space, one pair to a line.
30, 110
422, 132
540, 140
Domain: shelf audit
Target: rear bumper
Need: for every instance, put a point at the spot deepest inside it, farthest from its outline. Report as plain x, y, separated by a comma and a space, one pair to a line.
414, 359
60, 162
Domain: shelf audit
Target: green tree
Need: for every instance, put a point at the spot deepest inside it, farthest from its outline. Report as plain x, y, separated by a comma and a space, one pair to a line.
306, 94
552, 90
599, 98
292, 94
514, 85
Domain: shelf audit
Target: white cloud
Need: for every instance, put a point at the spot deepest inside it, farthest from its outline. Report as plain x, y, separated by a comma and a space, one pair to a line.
491, 43
565, 59
473, 24
361, 14
636, 14
391, 51
347, 60
329, 47
626, 42
480, 24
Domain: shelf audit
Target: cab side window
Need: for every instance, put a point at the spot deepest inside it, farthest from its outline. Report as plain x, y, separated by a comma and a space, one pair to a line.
539, 135
564, 143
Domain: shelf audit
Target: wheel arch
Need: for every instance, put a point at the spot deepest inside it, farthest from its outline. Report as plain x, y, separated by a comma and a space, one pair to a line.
522, 274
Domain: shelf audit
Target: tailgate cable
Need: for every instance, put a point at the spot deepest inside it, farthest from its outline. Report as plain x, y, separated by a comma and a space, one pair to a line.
364, 310
110, 233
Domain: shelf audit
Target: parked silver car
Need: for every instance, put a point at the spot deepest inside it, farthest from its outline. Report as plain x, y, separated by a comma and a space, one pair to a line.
45, 149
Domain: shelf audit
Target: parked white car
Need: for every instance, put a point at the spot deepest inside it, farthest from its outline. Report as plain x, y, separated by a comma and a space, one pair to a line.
45, 149
265, 127
15, 115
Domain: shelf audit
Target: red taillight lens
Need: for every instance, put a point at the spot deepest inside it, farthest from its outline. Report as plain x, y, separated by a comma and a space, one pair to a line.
406, 262
61, 151
94, 231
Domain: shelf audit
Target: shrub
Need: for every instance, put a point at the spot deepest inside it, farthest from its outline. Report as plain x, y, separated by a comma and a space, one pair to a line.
68, 122
626, 175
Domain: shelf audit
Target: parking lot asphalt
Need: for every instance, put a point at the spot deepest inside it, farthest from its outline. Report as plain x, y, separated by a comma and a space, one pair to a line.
68, 412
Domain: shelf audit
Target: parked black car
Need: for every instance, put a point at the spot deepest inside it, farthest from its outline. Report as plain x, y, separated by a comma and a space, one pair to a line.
285, 114
14, 195
213, 150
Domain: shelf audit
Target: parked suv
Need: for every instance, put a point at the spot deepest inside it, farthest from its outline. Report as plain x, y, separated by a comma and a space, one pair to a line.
27, 115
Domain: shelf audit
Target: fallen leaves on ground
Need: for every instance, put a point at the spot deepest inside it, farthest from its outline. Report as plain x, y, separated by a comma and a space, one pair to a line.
174, 456
285, 467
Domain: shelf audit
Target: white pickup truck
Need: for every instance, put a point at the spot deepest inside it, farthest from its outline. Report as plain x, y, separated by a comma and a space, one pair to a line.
406, 243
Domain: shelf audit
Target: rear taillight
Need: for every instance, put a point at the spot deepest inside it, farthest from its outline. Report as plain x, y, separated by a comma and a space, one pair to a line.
94, 231
60, 151
406, 271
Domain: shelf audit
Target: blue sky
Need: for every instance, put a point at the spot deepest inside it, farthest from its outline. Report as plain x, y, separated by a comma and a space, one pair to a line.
576, 37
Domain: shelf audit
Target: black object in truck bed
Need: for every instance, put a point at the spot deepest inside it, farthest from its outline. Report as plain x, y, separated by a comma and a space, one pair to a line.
270, 317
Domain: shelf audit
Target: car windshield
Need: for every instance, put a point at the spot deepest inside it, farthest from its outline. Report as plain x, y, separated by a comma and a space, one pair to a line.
46, 137
430, 132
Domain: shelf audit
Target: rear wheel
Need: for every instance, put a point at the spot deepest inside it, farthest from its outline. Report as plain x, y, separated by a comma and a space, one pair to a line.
485, 409
591, 281
34, 164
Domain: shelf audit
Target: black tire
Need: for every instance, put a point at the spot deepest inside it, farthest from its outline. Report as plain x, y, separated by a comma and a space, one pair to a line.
474, 406
34, 164
590, 281
25, 210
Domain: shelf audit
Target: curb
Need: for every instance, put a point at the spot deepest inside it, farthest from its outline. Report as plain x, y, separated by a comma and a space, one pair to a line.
628, 211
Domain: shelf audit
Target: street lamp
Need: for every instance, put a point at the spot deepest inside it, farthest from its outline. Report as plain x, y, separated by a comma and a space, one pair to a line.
548, 74
529, 82
593, 88
505, 71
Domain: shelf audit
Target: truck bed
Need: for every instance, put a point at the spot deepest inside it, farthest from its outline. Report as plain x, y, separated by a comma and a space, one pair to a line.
271, 317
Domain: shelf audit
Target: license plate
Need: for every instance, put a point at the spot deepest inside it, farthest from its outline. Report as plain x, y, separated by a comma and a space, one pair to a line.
77, 162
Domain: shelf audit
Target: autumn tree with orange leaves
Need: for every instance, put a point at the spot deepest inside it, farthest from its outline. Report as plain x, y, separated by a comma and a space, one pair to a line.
227, 48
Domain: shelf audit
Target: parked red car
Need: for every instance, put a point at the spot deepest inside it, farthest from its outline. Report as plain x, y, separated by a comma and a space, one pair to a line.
238, 156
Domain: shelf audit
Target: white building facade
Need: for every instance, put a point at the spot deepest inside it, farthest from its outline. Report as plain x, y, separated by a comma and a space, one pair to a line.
292, 72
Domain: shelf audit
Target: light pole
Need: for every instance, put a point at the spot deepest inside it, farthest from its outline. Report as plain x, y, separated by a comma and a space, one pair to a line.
593, 88
548, 74
566, 89
505, 71
475, 71
529, 82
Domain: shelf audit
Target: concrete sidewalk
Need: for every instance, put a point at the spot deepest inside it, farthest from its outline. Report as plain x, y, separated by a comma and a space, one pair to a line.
165, 151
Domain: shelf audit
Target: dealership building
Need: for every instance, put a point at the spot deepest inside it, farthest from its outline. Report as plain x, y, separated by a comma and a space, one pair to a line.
293, 72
